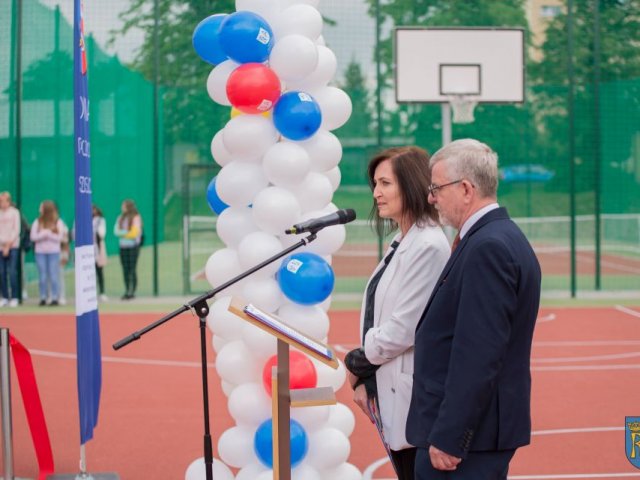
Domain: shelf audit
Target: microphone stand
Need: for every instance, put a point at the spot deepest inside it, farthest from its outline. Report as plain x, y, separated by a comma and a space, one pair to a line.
200, 306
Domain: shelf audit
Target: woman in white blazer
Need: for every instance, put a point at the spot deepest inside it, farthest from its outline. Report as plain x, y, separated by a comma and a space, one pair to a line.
381, 371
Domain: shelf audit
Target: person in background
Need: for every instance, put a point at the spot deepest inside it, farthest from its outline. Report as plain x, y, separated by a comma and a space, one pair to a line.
471, 401
128, 229
100, 250
47, 233
381, 370
10, 251
65, 255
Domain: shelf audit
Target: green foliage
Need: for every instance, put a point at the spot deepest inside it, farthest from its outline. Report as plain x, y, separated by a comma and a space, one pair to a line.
190, 116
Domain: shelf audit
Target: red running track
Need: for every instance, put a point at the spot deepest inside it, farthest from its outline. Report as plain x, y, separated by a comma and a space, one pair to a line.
586, 379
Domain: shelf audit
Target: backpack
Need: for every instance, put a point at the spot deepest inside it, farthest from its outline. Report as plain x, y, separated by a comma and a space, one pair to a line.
25, 234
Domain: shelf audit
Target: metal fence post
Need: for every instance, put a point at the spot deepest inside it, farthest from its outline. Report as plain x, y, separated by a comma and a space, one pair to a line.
5, 398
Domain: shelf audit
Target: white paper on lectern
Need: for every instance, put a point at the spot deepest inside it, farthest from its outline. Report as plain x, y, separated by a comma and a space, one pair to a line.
287, 331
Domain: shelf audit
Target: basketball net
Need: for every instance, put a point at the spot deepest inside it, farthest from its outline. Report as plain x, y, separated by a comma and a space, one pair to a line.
462, 107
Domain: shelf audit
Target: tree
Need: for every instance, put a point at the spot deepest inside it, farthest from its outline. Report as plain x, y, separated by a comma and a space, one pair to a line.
361, 123
190, 116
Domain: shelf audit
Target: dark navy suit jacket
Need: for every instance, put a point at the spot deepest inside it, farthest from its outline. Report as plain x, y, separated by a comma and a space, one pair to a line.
471, 381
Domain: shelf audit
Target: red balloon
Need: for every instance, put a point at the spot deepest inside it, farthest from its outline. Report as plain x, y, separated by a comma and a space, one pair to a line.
302, 372
253, 88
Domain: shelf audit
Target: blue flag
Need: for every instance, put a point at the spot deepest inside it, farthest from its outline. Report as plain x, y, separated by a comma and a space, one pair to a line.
87, 320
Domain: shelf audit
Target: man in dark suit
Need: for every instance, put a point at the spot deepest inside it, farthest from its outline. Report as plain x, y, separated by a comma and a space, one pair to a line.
470, 404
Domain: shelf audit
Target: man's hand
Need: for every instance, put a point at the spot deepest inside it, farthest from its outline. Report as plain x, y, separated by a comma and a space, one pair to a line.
441, 460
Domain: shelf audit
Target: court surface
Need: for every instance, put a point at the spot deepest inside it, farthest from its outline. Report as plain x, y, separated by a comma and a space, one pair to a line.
585, 369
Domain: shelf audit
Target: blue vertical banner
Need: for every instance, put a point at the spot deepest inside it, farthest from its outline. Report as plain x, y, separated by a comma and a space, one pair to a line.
87, 319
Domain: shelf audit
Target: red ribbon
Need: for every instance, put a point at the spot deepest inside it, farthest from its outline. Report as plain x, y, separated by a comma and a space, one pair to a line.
32, 407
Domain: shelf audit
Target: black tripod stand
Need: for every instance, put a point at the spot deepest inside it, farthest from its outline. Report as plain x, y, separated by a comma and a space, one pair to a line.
201, 308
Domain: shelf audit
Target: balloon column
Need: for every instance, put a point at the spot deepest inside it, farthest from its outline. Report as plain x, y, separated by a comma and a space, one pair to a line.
279, 163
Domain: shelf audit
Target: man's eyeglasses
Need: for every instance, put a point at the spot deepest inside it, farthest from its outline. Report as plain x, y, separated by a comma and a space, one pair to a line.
433, 188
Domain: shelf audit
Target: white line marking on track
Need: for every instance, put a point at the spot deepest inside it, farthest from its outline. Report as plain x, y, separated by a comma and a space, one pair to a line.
613, 356
136, 361
547, 318
628, 311
370, 470
585, 343
561, 431
573, 368
574, 475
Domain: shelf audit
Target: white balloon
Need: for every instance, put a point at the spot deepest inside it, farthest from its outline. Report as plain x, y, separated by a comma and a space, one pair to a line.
239, 182
268, 475
310, 320
346, 471
227, 388
321, 75
342, 418
335, 176
326, 304
222, 322
286, 164
267, 9
249, 405
256, 248
235, 446
311, 418
305, 472
264, 293
235, 365
234, 224
328, 377
218, 151
324, 150
249, 135
275, 209
198, 470
218, 342
222, 266
313, 193
293, 57
287, 3
299, 19
335, 105
261, 344
217, 81
252, 472
328, 448
320, 39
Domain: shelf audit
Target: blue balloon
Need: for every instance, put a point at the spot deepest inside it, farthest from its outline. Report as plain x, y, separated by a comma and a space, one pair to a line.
206, 39
263, 443
305, 278
246, 37
217, 205
297, 115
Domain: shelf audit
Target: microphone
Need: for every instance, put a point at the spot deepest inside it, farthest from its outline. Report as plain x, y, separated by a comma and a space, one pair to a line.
338, 217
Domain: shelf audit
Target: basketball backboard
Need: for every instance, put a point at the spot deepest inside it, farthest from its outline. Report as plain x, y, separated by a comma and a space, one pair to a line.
434, 64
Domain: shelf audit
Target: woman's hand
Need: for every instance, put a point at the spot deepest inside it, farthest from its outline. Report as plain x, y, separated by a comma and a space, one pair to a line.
352, 379
360, 398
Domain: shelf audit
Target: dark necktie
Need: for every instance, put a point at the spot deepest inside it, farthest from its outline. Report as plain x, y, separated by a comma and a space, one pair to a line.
455, 243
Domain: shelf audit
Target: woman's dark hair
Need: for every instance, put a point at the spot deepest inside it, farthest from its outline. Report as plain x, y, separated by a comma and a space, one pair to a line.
410, 165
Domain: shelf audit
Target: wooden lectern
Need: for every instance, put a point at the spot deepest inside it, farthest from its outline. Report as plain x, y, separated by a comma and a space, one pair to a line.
282, 398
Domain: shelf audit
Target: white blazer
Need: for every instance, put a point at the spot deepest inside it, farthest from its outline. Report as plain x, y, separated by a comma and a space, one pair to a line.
400, 299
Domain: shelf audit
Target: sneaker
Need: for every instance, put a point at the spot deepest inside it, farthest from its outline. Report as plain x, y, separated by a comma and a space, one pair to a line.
42, 303
54, 303
103, 297
4, 302
13, 303
62, 301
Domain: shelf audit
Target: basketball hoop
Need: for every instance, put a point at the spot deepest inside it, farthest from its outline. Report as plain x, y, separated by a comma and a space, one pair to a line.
463, 107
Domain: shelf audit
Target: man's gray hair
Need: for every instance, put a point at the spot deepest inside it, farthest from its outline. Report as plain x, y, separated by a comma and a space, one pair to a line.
473, 160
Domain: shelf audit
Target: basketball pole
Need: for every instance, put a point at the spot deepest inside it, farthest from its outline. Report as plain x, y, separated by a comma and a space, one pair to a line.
445, 109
